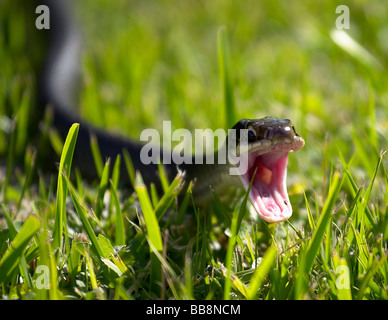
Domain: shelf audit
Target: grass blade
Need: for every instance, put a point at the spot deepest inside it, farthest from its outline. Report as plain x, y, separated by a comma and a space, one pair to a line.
82, 213
235, 226
368, 277
343, 278
310, 253
30, 165
64, 168
116, 172
12, 256
22, 122
104, 181
153, 232
363, 209
13, 232
120, 232
354, 49
129, 166
261, 272
163, 177
96, 155
318, 234
168, 197
10, 159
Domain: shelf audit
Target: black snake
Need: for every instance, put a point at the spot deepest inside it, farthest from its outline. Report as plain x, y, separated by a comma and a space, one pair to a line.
269, 139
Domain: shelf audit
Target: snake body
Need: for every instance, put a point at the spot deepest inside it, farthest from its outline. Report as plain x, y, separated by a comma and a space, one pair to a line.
270, 139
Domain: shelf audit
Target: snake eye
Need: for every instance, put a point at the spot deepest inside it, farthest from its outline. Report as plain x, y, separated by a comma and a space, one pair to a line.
251, 134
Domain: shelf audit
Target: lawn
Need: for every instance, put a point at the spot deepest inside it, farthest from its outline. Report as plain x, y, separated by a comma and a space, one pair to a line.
149, 61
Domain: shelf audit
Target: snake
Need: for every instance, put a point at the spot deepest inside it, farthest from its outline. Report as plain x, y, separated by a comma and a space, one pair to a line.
269, 139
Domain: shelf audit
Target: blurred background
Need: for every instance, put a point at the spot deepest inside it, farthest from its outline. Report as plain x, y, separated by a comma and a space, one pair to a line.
148, 61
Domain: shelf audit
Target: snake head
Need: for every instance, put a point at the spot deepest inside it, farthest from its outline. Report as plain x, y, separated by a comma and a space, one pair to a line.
269, 142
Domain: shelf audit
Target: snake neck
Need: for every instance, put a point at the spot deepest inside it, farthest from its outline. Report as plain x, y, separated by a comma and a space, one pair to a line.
210, 175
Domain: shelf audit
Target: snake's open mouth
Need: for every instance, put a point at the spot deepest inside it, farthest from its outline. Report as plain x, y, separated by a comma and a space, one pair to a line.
267, 166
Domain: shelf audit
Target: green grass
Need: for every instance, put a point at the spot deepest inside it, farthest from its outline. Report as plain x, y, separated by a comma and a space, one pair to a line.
201, 65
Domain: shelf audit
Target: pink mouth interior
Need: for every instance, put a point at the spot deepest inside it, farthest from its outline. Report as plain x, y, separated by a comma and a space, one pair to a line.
268, 193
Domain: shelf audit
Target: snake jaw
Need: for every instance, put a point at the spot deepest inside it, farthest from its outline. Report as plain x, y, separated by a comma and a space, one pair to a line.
268, 192
267, 169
